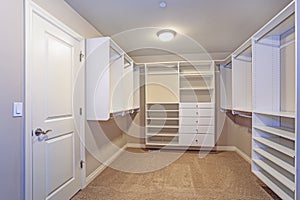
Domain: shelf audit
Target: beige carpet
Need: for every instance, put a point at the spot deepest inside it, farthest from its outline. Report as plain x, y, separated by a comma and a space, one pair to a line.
221, 175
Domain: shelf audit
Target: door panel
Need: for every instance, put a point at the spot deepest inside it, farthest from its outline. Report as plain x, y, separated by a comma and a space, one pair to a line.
54, 70
60, 164
58, 77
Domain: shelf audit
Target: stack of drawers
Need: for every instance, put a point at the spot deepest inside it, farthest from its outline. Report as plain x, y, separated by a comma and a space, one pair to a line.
197, 124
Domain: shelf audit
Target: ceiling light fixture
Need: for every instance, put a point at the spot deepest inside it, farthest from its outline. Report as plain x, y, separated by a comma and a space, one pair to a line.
166, 35
163, 4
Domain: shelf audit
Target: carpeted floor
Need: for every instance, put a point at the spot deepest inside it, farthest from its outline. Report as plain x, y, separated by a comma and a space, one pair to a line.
219, 175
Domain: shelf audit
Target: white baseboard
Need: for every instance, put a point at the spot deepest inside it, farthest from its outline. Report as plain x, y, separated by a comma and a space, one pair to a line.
102, 167
235, 149
243, 155
135, 145
224, 148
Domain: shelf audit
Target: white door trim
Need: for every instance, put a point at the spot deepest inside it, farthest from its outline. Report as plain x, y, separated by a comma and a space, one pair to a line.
30, 9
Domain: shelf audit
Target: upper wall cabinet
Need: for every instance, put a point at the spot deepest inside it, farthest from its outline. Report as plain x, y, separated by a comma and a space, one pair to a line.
226, 86
242, 78
109, 79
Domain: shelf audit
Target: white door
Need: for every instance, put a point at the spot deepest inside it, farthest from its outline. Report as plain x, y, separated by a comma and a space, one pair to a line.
54, 69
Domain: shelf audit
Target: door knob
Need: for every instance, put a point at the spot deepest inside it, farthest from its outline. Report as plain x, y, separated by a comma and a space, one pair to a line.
39, 132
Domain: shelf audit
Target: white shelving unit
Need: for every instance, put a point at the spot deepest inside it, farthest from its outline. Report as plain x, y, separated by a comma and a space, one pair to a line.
109, 80
226, 86
180, 104
197, 104
242, 78
274, 154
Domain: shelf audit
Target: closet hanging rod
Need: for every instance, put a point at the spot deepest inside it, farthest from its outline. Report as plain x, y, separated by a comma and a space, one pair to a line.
115, 50
273, 28
237, 55
228, 65
241, 114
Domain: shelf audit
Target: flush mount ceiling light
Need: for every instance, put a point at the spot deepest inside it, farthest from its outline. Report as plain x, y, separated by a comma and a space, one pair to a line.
163, 4
166, 35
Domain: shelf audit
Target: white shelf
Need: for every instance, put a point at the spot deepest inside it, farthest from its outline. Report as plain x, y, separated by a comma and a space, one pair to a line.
163, 134
162, 118
285, 150
162, 73
272, 186
276, 160
162, 126
162, 110
277, 131
197, 88
200, 73
279, 114
281, 178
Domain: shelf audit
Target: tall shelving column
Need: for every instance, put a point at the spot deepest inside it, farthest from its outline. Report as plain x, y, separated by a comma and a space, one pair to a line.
197, 104
162, 108
273, 125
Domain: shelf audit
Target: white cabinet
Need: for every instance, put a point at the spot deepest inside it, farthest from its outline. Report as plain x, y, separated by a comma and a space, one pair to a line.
109, 79
274, 127
180, 106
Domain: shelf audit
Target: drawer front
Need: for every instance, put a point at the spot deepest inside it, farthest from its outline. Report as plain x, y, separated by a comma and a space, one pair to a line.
196, 105
205, 140
190, 121
196, 112
188, 129
196, 129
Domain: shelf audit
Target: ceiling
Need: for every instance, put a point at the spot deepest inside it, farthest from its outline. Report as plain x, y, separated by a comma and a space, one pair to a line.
216, 27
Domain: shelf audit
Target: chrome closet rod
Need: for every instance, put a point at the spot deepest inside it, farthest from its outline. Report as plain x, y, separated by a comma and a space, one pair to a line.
256, 40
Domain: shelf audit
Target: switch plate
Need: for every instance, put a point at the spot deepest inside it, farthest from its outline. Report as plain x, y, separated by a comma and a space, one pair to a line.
18, 109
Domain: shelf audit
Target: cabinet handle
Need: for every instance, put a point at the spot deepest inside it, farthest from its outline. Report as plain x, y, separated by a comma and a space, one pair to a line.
197, 113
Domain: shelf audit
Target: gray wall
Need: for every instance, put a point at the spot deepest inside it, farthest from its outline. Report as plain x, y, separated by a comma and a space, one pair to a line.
11, 89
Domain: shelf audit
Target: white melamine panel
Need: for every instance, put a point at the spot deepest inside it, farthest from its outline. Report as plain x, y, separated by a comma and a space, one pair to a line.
59, 78
136, 87
242, 83
196, 121
117, 100
196, 105
205, 112
226, 87
128, 87
287, 72
205, 140
97, 79
196, 129
266, 72
60, 163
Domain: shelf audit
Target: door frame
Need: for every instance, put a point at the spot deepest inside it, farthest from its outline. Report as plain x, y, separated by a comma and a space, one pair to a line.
31, 8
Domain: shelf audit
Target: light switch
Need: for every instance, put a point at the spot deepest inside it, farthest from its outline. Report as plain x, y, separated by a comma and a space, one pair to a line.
18, 109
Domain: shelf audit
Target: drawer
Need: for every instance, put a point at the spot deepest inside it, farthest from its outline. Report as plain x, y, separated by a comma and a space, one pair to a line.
205, 140
190, 121
205, 112
196, 130
196, 105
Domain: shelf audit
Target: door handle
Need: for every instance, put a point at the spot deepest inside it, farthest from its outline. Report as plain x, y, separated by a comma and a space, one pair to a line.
39, 132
